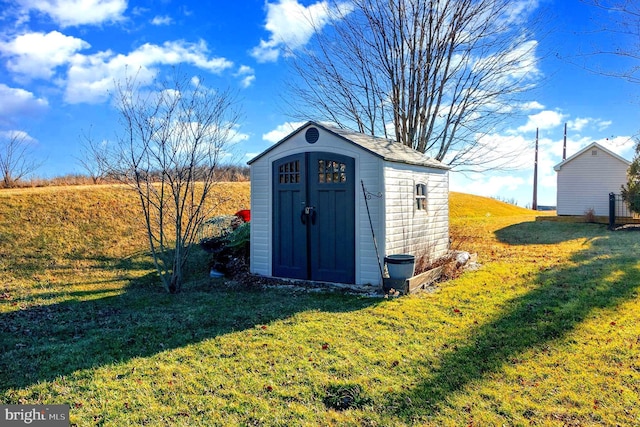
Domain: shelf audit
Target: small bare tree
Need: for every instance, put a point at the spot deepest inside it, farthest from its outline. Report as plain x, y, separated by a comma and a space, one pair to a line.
17, 159
434, 75
169, 148
93, 158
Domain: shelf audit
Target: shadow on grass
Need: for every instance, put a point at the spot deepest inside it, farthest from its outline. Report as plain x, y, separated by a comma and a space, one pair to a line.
43, 342
603, 275
548, 233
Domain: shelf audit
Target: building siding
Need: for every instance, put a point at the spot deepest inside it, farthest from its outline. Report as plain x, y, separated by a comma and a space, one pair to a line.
585, 182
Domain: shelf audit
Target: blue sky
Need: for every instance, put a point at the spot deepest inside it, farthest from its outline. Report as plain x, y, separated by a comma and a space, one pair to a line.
59, 59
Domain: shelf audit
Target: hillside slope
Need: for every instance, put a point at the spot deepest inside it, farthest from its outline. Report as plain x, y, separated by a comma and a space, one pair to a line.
54, 226
468, 205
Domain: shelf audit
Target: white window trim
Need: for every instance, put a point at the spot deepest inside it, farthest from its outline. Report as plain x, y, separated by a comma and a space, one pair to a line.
424, 197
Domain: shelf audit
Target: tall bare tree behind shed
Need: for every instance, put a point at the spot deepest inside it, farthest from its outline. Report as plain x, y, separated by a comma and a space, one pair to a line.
171, 142
435, 75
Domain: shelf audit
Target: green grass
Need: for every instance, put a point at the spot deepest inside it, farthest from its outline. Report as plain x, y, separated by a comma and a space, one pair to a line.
545, 333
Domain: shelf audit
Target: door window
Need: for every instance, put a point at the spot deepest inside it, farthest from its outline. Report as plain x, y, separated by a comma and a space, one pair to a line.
289, 173
330, 171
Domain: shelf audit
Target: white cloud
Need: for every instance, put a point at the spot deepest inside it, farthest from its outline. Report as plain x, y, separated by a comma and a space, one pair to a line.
581, 123
543, 120
532, 105
70, 13
622, 145
19, 102
139, 11
292, 25
247, 76
523, 61
19, 135
247, 81
486, 185
91, 77
162, 20
518, 12
604, 124
578, 124
88, 78
36, 55
281, 131
237, 136
496, 152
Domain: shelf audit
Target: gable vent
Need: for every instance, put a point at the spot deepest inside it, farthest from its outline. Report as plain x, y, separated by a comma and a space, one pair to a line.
594, 152
312, 135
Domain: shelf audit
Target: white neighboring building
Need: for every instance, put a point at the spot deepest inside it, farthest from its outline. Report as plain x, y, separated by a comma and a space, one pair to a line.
309, 216
586, 179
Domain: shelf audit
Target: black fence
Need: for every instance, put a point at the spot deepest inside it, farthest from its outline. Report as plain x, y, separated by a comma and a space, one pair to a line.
619, 212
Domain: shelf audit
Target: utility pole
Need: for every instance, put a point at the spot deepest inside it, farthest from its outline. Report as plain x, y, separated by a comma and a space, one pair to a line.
534, 205
564, 145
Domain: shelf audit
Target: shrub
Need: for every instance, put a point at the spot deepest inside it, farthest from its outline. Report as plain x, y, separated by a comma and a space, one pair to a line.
590, 215
631, 192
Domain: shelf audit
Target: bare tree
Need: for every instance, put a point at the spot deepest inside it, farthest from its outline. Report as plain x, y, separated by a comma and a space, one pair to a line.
17, 159
93, 158
169, 148
435, 75
621, 19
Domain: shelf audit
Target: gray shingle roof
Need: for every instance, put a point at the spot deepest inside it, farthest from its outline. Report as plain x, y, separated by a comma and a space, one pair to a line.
384, 148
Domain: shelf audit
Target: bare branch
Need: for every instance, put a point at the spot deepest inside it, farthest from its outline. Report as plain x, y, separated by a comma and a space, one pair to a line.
621, 18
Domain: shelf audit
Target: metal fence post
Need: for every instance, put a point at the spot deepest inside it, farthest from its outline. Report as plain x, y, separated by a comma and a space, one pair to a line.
612, 210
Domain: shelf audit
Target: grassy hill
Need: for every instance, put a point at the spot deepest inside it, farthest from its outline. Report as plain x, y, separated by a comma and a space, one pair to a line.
467, 205
545, 333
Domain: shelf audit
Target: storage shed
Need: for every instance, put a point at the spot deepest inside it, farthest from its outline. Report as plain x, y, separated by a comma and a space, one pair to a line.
586, 179
321, 195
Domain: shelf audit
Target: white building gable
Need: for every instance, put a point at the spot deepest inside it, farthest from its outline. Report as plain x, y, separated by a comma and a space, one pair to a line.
586, 179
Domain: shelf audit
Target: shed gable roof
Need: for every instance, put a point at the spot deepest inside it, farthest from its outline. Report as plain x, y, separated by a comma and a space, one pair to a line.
384, 148
586, 149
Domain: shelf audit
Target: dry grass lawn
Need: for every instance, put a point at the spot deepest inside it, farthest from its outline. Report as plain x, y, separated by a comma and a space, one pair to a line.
545, 333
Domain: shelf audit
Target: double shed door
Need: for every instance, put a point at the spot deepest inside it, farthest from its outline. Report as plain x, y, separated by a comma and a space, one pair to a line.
314, 217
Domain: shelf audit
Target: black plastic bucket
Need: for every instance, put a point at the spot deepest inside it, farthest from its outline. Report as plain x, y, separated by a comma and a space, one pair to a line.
400, 266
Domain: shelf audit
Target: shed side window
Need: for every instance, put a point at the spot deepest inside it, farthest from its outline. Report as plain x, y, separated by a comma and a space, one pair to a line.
289, 173
421, 197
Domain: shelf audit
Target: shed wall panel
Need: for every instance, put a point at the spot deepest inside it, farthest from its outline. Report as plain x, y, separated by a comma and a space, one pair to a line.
408, 229
260, 244
372, 178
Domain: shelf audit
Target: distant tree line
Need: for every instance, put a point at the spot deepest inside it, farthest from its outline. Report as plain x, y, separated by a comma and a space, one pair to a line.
225, 173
